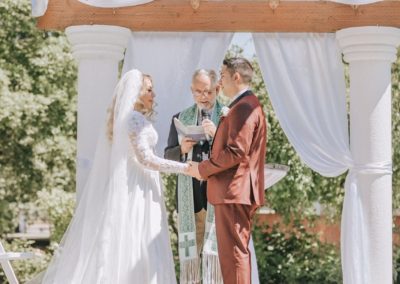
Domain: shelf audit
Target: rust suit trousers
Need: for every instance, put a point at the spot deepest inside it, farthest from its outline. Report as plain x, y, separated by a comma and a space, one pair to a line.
233, 227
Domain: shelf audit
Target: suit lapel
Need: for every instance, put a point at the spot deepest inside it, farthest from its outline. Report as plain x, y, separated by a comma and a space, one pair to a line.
247, 93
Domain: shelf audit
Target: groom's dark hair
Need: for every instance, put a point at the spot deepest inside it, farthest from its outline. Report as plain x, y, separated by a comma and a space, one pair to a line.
240, 65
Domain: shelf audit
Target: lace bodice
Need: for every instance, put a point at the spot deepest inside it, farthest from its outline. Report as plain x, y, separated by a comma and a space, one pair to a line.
143, 139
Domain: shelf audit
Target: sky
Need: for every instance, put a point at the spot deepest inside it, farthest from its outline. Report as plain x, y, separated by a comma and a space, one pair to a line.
245, 41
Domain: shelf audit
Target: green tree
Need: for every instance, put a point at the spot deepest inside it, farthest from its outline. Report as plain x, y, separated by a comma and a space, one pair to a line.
396, 131
396, 158
38, 110
37, 128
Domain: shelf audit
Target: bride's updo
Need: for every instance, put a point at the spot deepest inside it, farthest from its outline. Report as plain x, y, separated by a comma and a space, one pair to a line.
138, 106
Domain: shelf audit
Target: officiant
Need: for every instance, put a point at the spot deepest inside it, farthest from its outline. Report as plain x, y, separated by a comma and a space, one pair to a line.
190, 193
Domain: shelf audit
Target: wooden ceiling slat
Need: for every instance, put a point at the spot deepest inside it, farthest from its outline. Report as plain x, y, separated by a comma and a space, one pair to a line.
224, 16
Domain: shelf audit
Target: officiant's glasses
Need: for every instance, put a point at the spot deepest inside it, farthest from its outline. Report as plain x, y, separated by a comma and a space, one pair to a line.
206, 93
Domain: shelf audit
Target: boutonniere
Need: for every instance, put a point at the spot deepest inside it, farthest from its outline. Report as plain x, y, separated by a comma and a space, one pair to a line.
224, 111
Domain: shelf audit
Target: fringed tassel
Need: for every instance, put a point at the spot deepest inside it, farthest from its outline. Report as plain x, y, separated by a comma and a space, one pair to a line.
190, 271
211, 270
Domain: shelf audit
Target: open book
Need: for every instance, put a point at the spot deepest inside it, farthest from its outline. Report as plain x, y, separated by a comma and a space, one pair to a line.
192, 131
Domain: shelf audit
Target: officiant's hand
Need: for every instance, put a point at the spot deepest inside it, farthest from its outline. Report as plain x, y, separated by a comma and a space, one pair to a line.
194, 170
187, 145
209, 127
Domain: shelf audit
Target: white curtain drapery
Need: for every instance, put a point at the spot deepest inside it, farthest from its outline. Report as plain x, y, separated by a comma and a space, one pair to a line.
123, 3
356, 2
171, 58
305, 80
39, 7
273, 173
304, 76
114, 3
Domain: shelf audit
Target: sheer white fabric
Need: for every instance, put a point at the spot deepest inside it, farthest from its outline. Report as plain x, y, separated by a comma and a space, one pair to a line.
119, 232
305, 80
123, 3
114, 3
171, 58
274, 173
39, 7
304, 76
356, 2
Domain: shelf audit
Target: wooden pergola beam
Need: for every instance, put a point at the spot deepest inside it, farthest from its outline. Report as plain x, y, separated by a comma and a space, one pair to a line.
224, 16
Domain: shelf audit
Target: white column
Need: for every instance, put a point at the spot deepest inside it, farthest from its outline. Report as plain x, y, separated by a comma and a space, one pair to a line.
370, 52
98, 50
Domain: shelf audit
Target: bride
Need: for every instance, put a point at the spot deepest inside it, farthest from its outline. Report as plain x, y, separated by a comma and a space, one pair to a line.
119, 232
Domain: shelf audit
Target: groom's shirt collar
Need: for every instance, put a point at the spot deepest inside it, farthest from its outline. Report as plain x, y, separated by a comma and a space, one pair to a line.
240, 93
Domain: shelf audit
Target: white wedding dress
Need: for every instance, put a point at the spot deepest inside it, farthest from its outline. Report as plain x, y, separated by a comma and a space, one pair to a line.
119, 233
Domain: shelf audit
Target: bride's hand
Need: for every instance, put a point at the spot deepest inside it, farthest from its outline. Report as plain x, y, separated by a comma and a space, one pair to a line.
188, 165
193, 170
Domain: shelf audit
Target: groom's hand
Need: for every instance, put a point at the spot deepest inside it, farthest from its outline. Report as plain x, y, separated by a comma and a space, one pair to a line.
194, 170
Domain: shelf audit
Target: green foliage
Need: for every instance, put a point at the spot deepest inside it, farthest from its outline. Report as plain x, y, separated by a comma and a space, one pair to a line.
27, 268
37, 128
59, 206
396, 131
54, 207
169, 181
295, 256
38, 113
396, 159
396, 264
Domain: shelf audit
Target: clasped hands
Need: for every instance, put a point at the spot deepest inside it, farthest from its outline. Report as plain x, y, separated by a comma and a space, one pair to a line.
193, 170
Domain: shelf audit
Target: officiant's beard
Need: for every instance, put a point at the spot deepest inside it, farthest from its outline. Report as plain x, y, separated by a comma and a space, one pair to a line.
206, 105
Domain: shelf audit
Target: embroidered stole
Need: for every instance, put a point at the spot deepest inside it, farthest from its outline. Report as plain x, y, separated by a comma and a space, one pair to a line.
192, 269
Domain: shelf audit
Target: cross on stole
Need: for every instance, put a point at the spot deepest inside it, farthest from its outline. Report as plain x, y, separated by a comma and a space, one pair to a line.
213, 239
186, 243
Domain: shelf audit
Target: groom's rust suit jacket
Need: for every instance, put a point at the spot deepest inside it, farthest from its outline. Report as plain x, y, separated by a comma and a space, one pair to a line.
235, 170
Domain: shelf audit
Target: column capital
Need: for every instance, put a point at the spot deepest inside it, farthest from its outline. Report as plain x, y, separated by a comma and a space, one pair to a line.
98, 41
369, 43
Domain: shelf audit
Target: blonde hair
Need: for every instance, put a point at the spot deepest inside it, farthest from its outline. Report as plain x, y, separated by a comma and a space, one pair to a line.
137, 106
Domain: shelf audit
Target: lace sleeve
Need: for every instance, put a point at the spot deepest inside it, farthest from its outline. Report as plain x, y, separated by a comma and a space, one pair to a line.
140, 134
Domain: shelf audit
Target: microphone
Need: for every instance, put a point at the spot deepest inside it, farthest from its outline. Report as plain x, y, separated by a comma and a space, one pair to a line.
205, 115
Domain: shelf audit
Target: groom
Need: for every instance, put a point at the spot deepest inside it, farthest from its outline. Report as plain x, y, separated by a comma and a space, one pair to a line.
235, 170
